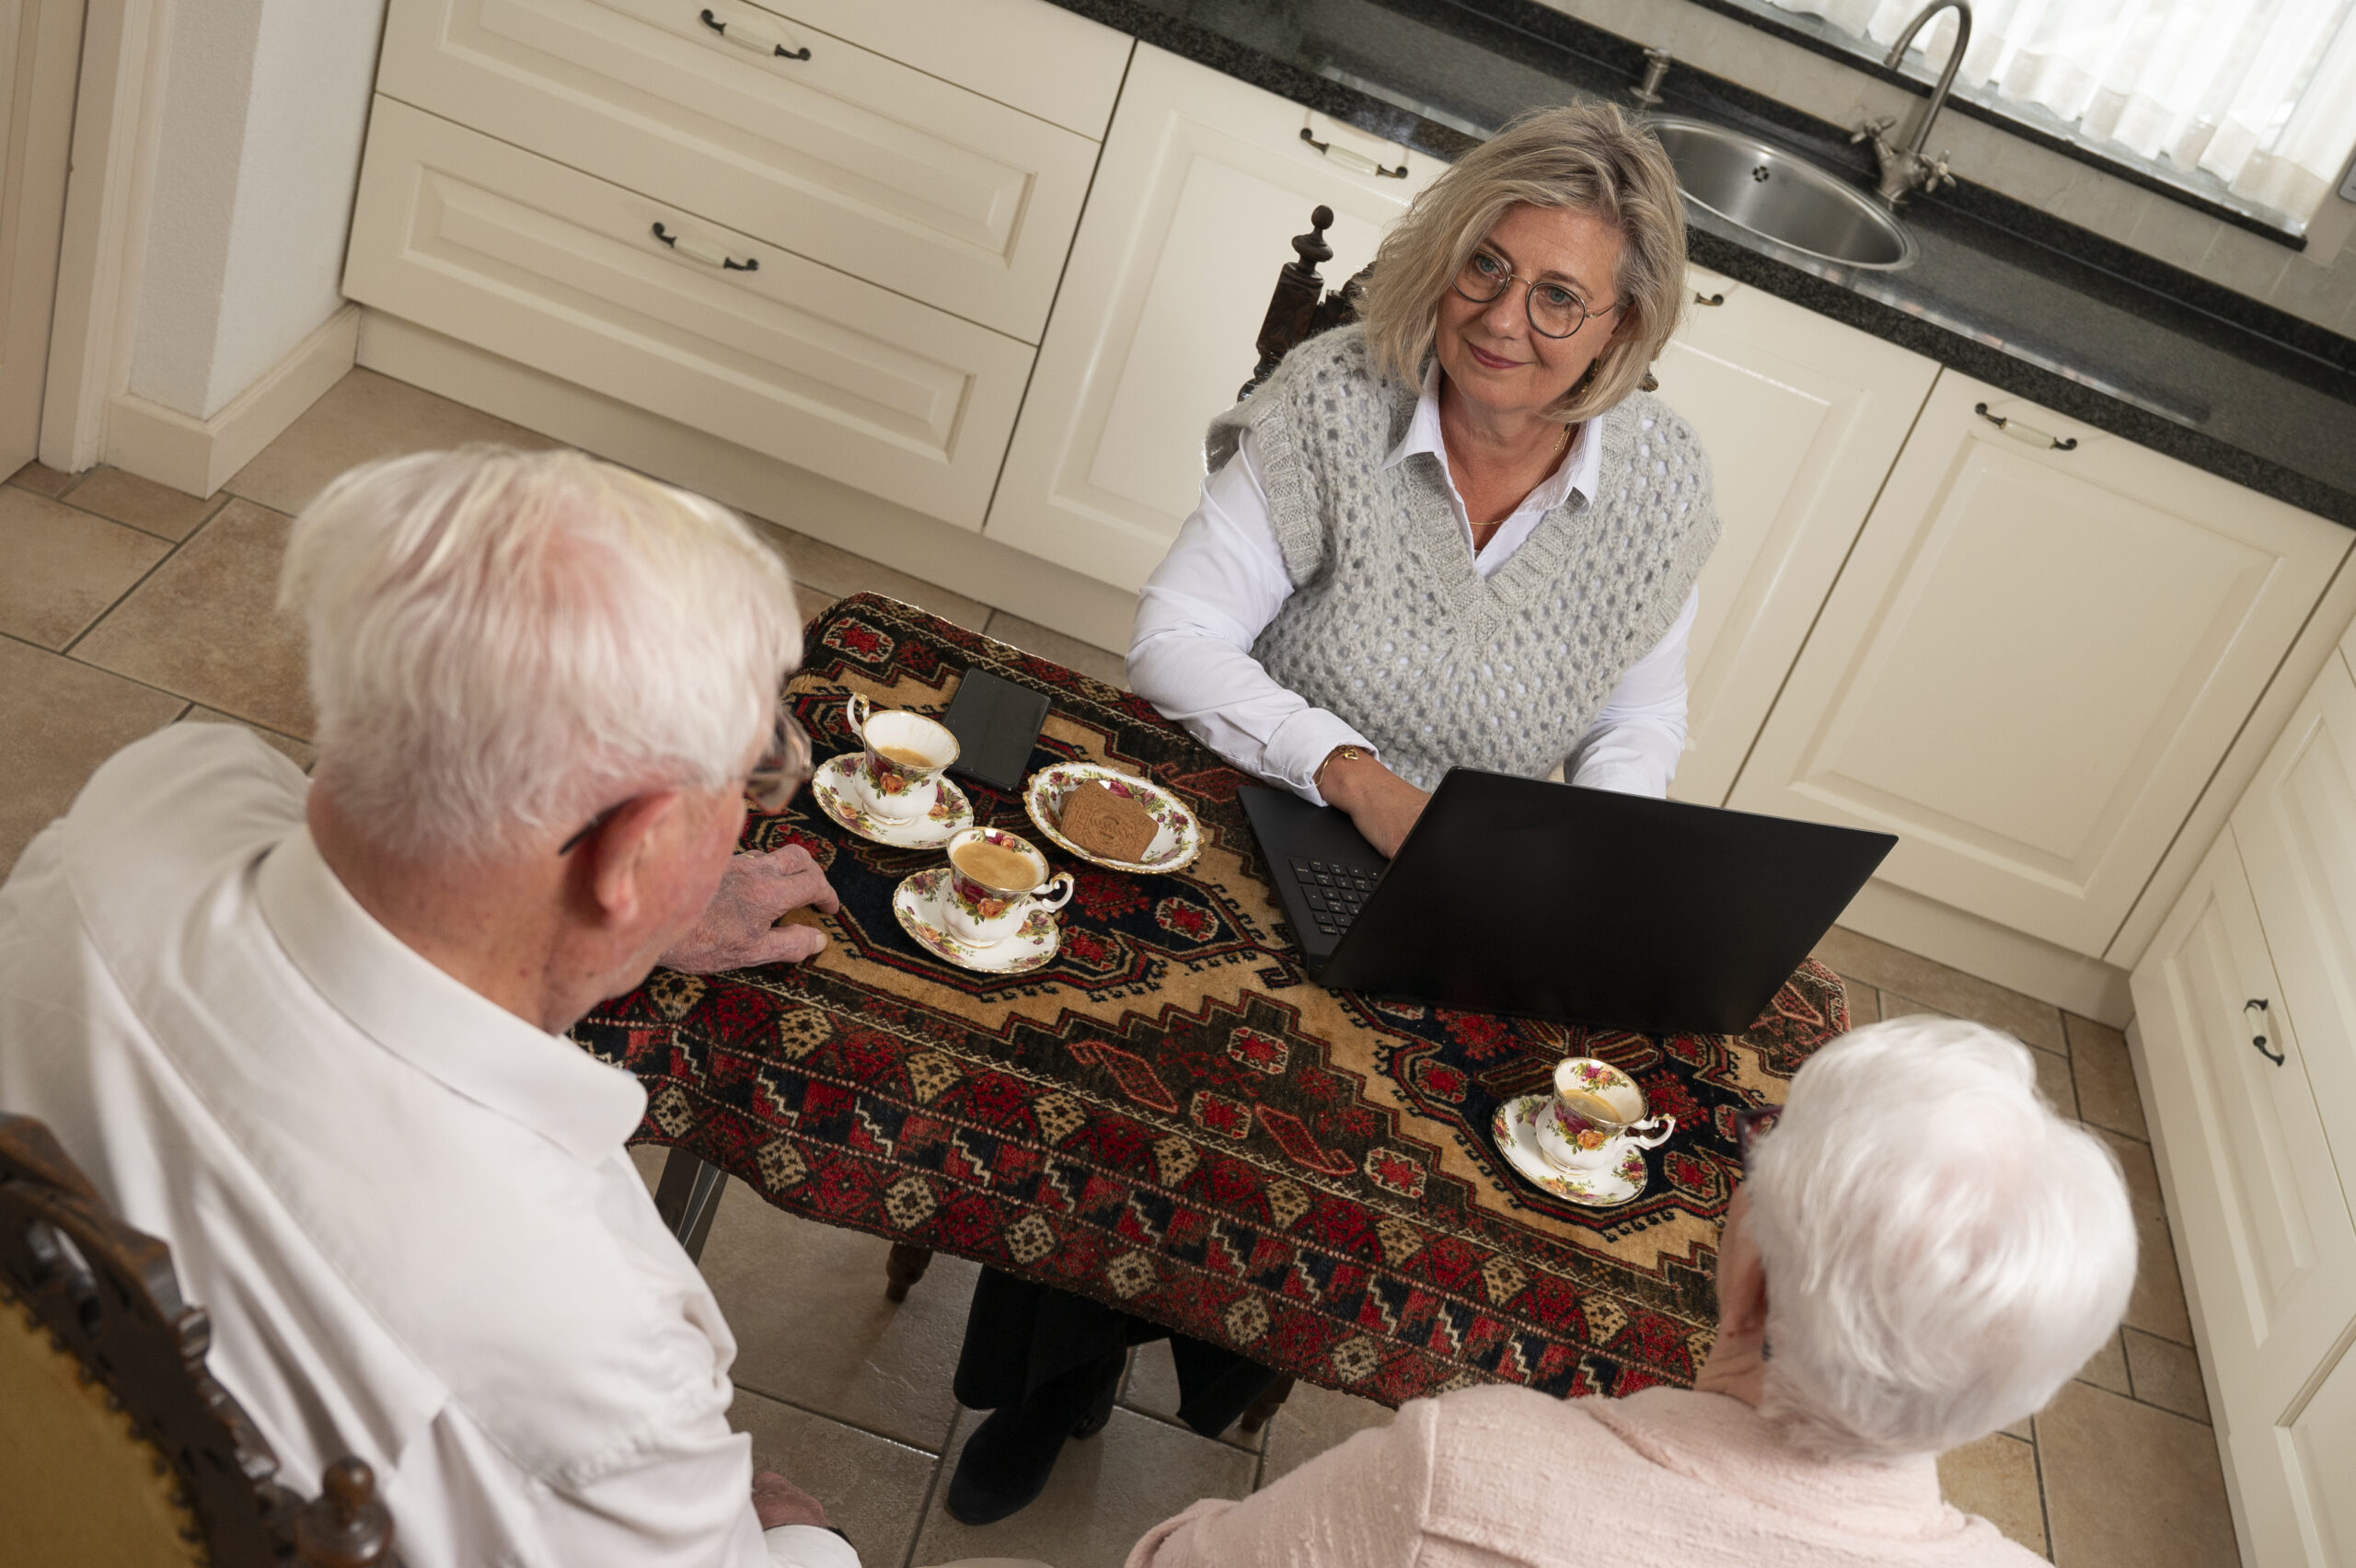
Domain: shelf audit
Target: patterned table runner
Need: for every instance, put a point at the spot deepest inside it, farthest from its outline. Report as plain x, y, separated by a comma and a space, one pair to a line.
1170, 1118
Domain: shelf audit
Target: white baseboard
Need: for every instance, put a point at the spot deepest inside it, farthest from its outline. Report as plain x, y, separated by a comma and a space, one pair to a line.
198, 456
2016, 960
1056, 597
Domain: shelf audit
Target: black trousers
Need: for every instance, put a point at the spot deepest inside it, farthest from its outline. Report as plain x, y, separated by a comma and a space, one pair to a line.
1020, 1337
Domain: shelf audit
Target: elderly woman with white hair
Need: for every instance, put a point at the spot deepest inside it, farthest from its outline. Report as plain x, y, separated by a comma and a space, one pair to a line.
1922, 1253
1461, 533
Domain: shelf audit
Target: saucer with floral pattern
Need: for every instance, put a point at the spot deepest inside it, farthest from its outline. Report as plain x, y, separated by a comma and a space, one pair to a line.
837, 787
918, 901
1514, 1129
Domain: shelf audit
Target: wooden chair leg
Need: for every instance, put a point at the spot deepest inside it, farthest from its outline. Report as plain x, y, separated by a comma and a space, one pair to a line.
904, 1268
687, 1197
1261, 1411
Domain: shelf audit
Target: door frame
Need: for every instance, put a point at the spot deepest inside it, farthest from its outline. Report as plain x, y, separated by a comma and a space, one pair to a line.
117, 117
39, 104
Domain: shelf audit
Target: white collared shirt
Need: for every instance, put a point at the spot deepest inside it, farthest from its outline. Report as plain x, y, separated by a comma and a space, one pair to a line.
1224, 580
408, 1212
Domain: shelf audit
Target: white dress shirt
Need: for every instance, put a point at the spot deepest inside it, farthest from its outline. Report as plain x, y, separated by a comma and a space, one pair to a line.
408, 1212
1224, 580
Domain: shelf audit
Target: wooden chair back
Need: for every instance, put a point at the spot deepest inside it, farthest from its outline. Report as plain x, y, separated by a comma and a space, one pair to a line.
116, 1445
1300, 308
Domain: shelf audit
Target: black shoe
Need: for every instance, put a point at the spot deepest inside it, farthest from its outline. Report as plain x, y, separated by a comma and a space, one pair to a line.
1108, 1383
1005, 1465
1008, 1457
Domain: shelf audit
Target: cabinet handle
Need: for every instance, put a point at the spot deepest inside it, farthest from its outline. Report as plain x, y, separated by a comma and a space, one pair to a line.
1349, 159
2026, 432
1699, 298
708, 253
2257, 1039
752, 38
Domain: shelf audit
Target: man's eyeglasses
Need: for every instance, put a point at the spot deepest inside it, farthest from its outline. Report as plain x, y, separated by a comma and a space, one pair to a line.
1554, 310
1749, 1126
784, 767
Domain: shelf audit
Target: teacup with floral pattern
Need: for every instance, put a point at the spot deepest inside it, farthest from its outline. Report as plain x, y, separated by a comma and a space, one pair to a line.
905, 755
1596, 1117
984, 909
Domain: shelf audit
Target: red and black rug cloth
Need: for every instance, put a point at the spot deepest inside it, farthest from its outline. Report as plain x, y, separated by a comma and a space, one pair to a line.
1170, 1118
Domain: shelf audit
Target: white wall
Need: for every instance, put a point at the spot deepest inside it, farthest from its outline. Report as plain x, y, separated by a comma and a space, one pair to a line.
265, 104
2318, 285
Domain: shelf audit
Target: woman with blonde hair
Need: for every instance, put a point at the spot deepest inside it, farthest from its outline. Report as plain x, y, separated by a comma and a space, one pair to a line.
1460, 531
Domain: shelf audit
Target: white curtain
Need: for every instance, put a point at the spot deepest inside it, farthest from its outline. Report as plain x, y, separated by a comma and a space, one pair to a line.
2260, 93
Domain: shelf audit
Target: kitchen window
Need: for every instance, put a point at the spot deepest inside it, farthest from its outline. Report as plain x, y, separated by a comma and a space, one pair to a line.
2252, 102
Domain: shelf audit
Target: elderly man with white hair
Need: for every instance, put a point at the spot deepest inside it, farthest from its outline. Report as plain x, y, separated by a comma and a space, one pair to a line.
1922, 1253
310, 1033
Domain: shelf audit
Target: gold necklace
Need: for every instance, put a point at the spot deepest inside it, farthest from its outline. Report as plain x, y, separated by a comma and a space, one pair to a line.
1552, 458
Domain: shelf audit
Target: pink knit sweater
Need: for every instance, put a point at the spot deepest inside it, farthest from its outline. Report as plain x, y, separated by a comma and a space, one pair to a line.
1664, 1479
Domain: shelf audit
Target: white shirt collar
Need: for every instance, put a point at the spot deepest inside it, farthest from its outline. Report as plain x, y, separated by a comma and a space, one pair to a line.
1581, 469
462, 1040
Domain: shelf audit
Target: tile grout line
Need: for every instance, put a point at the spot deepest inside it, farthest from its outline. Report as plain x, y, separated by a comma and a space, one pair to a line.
2044, 1508
150, 685
221, 499
839, 1421
932, 1489
99, 620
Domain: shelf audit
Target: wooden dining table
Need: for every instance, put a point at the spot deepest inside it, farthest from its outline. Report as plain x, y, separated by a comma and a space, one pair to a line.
1170, 1118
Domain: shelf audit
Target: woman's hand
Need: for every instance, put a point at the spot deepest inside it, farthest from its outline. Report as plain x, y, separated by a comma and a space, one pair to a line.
1383, 805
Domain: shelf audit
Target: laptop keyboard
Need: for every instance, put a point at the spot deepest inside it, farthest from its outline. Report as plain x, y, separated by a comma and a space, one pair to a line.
1335, 892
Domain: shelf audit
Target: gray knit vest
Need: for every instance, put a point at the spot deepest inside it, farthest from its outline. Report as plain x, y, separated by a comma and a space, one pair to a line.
1390, 627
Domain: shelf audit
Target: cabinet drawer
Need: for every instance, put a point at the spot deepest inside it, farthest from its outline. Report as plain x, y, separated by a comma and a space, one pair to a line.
1040, 58
846, 157
542, 264
2259, 1211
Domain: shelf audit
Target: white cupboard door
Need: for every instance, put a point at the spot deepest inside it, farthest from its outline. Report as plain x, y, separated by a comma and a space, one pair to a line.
2033, 661
1204, 181
490, 244
1801, 418
2293, 1473
2296, 824
846, 157
2261, 1222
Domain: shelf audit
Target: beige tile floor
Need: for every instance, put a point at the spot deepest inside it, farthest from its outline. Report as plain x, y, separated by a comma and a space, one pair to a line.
125, 607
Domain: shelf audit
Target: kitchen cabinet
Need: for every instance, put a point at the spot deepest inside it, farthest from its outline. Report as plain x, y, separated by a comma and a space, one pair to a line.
546, 266
2041, 645
2248, 1045
846, 157
1203, 180
1801, 416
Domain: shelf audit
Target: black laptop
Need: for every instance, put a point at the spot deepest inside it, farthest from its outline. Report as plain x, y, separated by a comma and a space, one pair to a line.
1520, 896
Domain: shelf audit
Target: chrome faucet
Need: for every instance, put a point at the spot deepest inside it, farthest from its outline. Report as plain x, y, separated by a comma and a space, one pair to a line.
1906, 171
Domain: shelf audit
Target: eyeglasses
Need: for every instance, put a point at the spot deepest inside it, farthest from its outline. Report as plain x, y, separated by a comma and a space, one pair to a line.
1751, 1125
1554, 311
784, 768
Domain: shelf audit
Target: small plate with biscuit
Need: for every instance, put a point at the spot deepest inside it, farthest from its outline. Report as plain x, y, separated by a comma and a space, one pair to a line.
1112, 819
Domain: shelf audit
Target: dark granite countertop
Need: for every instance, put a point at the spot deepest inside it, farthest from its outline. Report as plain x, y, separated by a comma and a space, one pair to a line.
1999, 292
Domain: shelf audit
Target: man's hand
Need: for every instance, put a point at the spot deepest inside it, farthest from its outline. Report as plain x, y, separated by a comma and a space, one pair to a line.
1383, 805
779, 1502
738, 928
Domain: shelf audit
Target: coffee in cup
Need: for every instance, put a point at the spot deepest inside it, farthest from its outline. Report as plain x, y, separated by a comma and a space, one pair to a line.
1596, 1115
996, 879
905, 754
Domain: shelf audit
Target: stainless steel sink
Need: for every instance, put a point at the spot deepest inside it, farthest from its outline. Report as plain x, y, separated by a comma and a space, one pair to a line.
1782, 197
